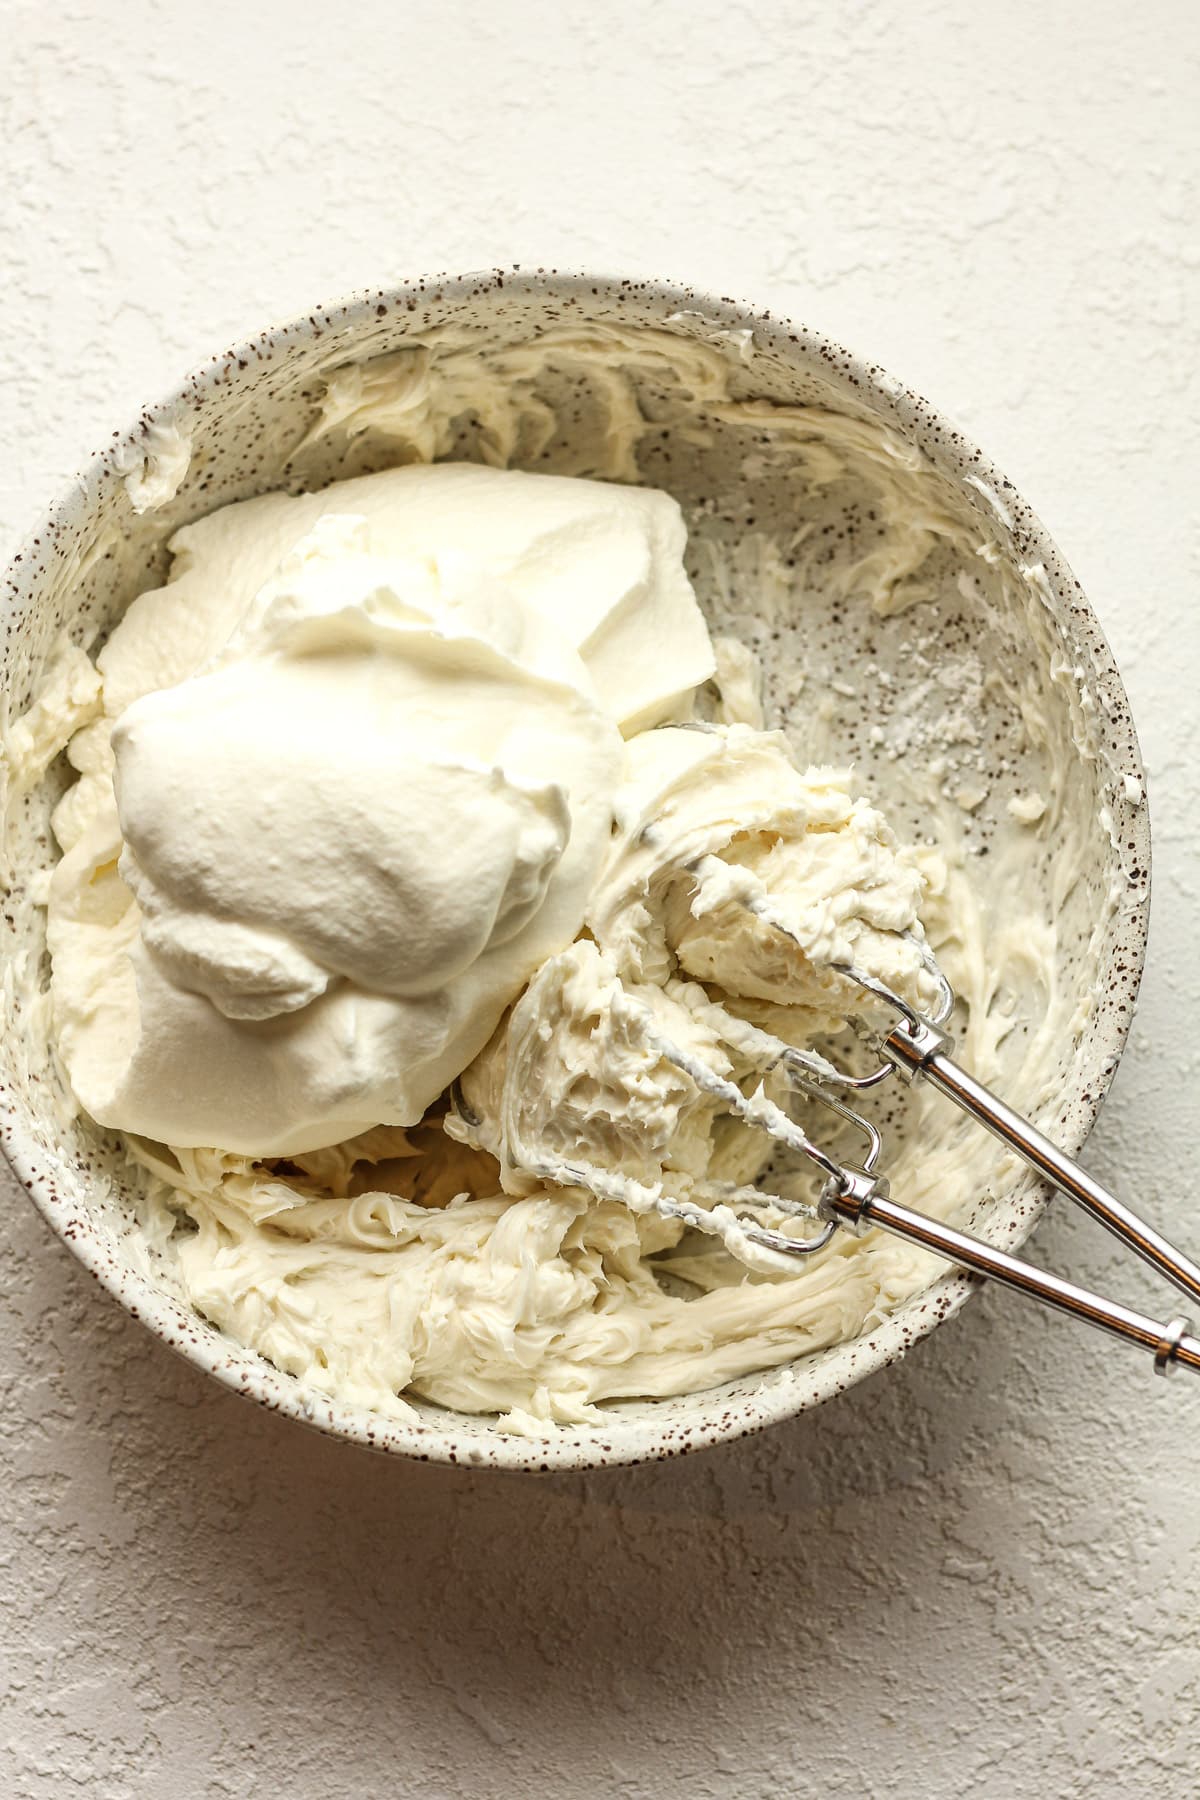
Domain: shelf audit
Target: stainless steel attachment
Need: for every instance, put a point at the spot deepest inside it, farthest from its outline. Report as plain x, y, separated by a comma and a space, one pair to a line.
856, 1198
919, 1049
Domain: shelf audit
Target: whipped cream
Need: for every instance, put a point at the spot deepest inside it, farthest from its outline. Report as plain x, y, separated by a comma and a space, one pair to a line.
352, 783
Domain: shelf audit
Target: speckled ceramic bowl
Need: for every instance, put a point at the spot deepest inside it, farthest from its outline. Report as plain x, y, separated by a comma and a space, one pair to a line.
246, 412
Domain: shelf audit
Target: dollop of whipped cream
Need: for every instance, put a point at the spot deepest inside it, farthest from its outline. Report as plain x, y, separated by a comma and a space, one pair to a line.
353, 782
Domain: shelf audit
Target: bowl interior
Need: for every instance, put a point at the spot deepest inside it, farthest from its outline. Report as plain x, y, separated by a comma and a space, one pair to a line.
974, 686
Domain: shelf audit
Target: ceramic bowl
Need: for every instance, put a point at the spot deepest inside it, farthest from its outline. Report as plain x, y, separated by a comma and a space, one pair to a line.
245, 412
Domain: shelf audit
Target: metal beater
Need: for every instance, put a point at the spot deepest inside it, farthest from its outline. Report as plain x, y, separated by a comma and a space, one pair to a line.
854, 1197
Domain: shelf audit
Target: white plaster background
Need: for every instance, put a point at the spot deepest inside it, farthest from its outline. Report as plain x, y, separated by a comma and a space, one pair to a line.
978, 1574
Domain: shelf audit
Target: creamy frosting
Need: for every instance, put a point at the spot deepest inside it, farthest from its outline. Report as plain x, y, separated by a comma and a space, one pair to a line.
718, 827
735, 885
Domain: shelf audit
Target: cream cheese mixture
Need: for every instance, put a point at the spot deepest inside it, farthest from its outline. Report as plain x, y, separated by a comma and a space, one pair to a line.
409, 813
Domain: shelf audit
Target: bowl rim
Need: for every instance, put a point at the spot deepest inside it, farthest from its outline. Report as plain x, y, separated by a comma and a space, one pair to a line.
807, 1381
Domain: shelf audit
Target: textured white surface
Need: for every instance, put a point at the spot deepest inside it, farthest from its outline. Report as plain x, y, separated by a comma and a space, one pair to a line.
980, 1573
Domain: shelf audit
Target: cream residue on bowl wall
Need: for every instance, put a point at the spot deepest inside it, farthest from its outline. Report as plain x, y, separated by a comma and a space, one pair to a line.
860, 585
156, 465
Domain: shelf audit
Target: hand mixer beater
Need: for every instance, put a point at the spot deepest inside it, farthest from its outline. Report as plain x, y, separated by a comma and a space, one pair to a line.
854, 1196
